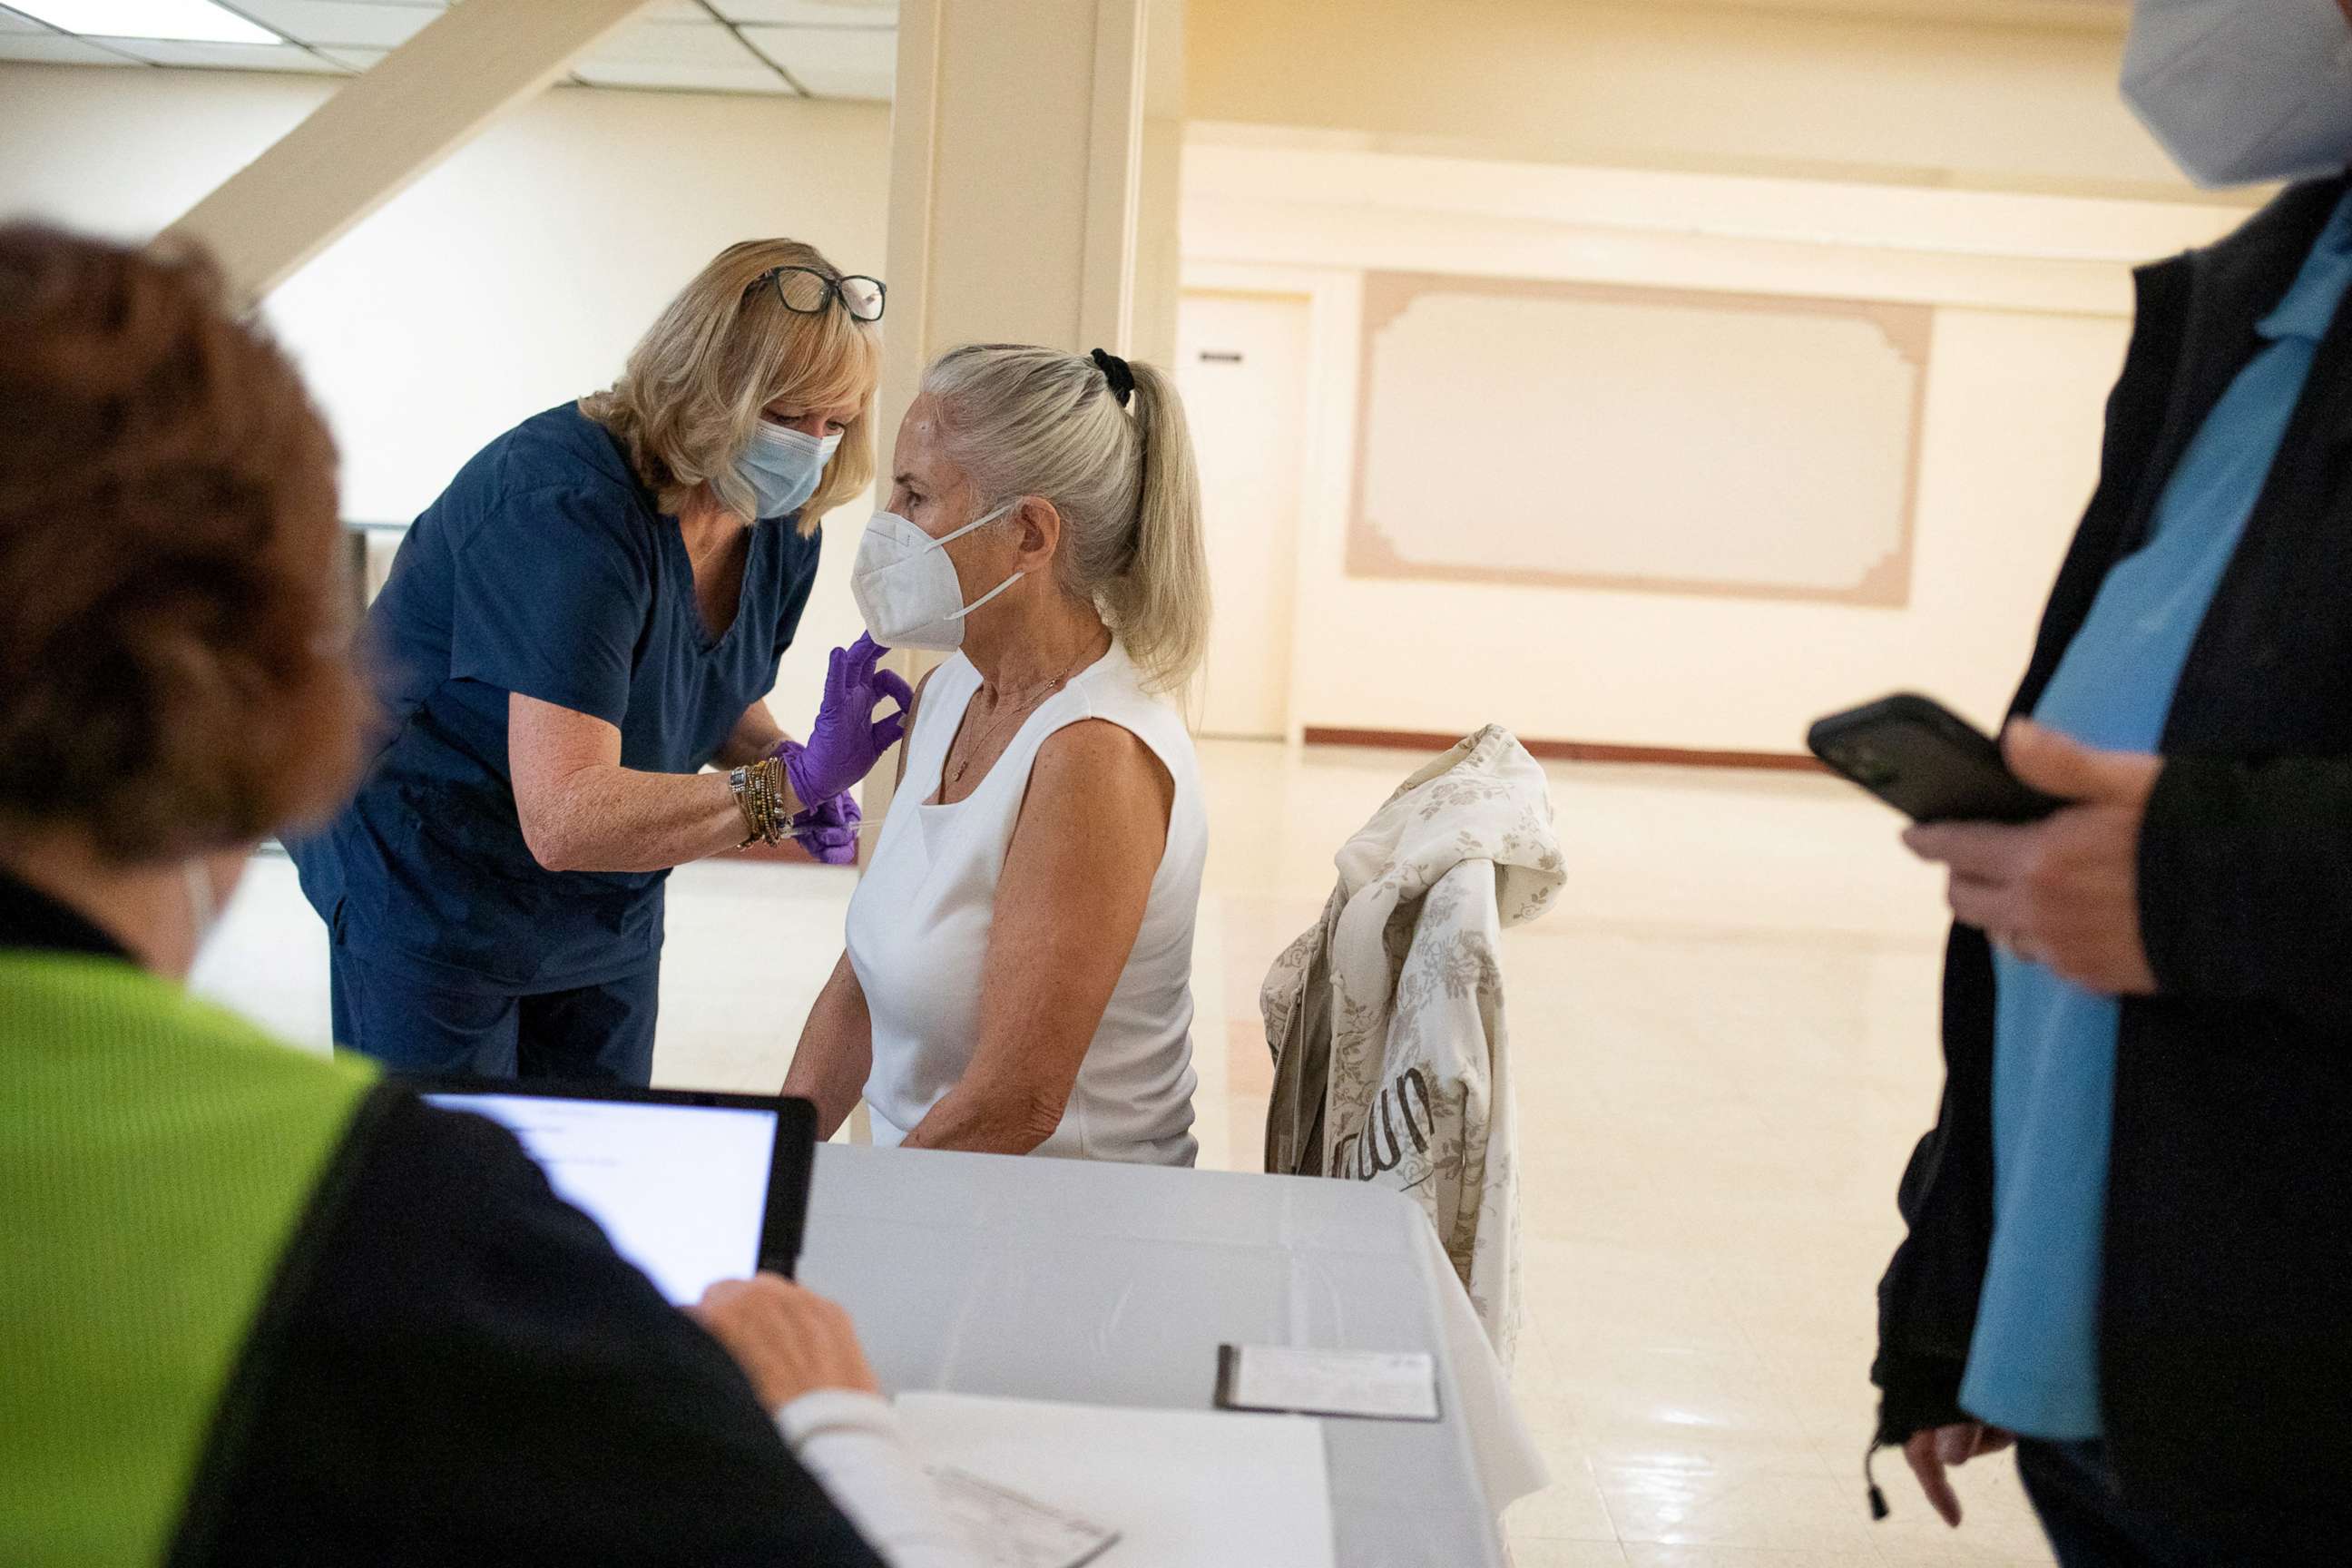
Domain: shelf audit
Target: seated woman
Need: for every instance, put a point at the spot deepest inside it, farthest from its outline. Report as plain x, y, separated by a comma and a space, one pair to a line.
255, 1306
1019, 965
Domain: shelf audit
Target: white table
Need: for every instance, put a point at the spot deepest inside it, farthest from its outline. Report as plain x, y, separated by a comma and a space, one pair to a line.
1114, 1285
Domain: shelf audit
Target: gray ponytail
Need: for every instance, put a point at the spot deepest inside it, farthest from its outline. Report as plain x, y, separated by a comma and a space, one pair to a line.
1033, 421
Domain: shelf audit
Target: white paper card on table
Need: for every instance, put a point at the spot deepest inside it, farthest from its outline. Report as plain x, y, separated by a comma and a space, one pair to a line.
1012, 1530
1184, 1489
1399, 1385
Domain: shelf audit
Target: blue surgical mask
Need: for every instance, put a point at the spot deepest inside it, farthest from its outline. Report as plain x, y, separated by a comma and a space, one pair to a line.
2243, 91
784, 467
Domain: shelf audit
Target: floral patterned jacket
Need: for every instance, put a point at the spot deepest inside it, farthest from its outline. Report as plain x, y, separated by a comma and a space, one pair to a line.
1391, 1064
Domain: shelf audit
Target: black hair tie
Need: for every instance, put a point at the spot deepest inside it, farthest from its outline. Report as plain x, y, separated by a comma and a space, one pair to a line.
1119, 373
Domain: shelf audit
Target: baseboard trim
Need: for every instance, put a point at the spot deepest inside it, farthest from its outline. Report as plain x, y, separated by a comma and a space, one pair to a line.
1576, 751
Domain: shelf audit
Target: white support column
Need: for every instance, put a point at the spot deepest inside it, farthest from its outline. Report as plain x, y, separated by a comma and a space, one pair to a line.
1159, 247
1022, 206
1016, 177
1114, 176
386, 127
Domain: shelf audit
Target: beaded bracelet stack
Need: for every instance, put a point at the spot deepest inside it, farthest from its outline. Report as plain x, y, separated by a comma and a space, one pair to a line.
761, 790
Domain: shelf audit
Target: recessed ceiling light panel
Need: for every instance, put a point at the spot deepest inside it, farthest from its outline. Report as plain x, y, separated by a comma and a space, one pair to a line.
195, 21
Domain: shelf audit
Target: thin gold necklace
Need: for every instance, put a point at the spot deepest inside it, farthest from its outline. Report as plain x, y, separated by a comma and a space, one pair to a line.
998, 719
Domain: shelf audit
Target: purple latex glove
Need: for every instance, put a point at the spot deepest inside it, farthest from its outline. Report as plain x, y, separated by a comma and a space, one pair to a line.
829, 833
847, 739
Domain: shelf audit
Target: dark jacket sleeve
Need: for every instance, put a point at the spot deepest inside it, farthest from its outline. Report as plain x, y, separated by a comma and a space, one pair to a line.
2245, 874
459, 1369
1928, 1298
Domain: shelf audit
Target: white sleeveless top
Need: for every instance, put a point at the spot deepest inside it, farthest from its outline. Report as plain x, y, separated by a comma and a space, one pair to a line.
918, 928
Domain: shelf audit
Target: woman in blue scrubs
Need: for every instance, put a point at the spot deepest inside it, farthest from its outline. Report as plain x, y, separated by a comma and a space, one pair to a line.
590, 614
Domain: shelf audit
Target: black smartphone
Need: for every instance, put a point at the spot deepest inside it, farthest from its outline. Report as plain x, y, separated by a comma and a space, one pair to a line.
1927, 761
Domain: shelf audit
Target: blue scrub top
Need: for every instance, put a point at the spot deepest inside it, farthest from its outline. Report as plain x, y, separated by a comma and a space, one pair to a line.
2033, 1366
545, 568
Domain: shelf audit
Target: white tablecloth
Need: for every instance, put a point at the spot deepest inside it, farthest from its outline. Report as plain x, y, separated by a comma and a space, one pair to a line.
1114, 1285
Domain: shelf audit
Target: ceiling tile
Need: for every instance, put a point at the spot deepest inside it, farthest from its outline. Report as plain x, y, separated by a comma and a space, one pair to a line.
812, 13
753, 78
365, 25
833, 62
222, 56
355, 59
56, 48
703, 43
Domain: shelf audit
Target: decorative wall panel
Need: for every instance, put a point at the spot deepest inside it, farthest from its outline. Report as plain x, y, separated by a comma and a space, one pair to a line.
1647, 440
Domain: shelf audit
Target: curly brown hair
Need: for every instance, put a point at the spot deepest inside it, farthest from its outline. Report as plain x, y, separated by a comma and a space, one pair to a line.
175, 672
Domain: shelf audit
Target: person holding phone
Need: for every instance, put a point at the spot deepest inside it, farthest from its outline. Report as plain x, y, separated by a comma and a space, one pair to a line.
2128, 1231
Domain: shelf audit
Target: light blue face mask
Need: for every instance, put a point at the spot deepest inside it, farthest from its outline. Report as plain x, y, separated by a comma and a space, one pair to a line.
784, 467
2242, 91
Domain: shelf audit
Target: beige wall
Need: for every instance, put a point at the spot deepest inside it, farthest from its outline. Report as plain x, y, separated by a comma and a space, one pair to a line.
2028, 300
1966, 163
510, 279
1973, 99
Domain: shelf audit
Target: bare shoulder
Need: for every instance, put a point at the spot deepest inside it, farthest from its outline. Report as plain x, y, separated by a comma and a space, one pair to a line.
1098, 757
1094, 820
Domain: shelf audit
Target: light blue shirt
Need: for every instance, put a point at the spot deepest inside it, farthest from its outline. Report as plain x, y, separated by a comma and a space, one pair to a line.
2033, 1367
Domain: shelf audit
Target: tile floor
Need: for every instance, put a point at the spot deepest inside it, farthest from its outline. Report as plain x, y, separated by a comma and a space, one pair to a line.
1725, 1046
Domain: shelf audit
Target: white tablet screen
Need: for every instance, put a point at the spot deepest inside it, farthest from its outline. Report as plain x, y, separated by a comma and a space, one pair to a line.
682, 1190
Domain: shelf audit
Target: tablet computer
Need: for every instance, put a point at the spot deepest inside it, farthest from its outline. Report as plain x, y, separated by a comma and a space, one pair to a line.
692, 1188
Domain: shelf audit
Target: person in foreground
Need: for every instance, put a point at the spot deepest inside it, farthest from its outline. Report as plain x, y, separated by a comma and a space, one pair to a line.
255, 1306
1018, 970
2129, 1230
590, 614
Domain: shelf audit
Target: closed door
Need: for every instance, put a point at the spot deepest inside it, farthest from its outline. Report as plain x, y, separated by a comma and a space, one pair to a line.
1242, 367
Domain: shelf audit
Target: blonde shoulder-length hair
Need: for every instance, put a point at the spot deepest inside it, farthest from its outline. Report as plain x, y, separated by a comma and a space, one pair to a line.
725, 349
